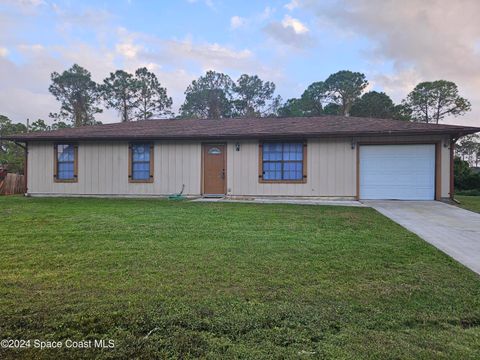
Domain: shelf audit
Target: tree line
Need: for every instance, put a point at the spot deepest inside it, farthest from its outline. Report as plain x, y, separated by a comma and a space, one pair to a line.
214, 95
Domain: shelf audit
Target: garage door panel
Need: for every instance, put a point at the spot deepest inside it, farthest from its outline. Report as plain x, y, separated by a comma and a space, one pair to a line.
404, 172
418, 180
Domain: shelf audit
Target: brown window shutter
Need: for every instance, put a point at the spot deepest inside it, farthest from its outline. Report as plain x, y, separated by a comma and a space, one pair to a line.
55, 161
151, 162
260, 161
75, 162
304, 160
130, 159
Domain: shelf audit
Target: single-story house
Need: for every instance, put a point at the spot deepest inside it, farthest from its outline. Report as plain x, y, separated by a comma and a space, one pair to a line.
316, 157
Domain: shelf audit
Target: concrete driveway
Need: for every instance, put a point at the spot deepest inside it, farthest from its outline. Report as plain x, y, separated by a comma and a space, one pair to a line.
453, 230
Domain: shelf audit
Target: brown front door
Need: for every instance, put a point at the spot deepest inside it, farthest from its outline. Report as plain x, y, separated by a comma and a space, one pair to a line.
214, 169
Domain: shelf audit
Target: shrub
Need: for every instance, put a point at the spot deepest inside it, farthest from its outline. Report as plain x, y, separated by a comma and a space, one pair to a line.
464, 178
474, 192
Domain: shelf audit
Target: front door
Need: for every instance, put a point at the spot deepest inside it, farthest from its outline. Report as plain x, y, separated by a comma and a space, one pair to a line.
214, 168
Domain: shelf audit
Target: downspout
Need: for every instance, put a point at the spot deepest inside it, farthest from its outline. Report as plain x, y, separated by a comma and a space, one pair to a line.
25, 169
452, 171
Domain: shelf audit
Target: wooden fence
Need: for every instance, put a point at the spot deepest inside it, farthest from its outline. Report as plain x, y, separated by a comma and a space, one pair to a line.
12, 184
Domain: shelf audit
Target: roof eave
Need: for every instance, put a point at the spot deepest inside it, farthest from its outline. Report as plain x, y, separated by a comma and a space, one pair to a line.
452, 132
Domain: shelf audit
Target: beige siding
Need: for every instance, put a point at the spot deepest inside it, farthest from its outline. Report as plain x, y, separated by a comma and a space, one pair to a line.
330, 171
103, 169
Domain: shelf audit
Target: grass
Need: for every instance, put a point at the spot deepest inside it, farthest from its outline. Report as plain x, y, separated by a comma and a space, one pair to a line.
471, 203
220, 280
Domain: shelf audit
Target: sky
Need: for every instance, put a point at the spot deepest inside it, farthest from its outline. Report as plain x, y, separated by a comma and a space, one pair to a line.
293, 43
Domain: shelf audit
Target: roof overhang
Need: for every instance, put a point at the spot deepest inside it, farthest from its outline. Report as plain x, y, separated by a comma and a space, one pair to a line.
246, 128
204, 137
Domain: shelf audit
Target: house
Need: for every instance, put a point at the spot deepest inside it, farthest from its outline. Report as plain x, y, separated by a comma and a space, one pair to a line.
317, 157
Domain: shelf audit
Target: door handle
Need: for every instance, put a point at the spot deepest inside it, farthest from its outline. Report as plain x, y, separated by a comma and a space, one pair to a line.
222, 174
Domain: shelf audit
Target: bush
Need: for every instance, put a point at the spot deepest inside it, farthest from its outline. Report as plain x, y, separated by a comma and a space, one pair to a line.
474, 192
464, 178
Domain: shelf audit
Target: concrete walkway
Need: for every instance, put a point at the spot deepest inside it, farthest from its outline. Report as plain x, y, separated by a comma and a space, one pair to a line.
454, 231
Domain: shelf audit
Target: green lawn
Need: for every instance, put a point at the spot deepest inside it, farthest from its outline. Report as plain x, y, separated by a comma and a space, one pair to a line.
471, 203
223, 280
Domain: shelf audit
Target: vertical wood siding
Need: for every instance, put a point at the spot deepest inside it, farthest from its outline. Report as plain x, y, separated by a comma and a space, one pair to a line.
103, 169
330, 171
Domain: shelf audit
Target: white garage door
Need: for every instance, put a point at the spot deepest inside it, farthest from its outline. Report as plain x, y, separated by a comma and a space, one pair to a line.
403, 172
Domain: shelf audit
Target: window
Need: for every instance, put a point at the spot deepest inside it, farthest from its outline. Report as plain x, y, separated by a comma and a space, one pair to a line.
65, 167
215, 151
283, 162
141, 163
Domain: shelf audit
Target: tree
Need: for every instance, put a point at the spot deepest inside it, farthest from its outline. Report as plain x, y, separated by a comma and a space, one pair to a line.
432, 101
41, 125
373, 104
208, 97
402, 112
344, 87
314, 98
12, 156
332, 109
119, 91
62, 125
291, 108
78, 94
253, 96
311, 103
151, 98
468, 148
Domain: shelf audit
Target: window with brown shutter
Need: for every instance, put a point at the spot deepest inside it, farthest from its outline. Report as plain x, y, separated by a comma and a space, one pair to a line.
65, 167
282, 162
140, 163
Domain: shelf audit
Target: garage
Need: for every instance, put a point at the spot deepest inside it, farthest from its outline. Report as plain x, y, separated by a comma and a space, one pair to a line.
400, 172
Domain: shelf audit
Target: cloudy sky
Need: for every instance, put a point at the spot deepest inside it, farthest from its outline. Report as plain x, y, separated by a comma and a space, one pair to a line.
291, 42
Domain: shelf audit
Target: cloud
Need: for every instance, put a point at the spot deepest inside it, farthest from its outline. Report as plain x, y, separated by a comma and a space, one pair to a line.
206, 55
208, 3
423, 40
266, 13
30, 47
31, 2
126, 46
398, 84
175, 62
253, 21
290, 31
292, 5
89, 17
295, 24
25, 3
136, 46
23, 89
237, 22
127, 49
106, 48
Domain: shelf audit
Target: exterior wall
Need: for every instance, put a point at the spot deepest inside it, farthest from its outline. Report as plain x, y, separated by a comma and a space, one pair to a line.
331, 171
103, 169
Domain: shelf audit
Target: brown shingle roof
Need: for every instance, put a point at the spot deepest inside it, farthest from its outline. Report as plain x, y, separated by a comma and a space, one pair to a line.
245, 128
